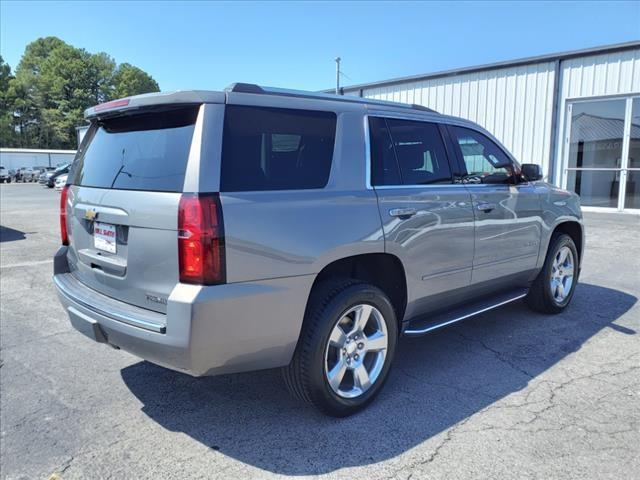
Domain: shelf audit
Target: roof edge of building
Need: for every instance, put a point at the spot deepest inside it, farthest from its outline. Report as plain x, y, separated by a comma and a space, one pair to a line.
600, 50
35, 150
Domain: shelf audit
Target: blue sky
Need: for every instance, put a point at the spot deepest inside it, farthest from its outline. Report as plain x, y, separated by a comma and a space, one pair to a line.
205, 45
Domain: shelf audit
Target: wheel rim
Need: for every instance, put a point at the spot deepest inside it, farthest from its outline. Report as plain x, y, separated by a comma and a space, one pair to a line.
356, 351
562, 274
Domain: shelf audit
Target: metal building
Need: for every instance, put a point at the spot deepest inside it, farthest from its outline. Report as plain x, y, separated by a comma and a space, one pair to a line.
14, 158
575, 113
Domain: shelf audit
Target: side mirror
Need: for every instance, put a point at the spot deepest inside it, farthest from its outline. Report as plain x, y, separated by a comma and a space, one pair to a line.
531, 171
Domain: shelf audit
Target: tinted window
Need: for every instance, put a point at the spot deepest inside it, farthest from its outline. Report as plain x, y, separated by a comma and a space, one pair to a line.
407, 153
420, 152
137, 152
384, 165
484, 161
276, 149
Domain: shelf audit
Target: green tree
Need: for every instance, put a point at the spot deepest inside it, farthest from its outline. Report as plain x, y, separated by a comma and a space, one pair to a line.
6, 136
54, 83
129, 80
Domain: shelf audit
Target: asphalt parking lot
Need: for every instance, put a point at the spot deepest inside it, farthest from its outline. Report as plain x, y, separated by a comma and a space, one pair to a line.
509, 394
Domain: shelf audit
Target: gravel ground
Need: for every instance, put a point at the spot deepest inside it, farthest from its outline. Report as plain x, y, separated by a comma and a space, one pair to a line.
509, 394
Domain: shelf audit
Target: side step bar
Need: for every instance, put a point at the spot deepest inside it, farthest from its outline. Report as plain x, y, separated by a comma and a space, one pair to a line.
421, 325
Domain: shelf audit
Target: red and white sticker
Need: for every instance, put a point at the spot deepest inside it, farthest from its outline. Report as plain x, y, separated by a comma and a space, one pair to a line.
104, 237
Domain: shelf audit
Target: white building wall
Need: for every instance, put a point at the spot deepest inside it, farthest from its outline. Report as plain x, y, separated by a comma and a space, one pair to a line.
593, 76
515, 104
14, 158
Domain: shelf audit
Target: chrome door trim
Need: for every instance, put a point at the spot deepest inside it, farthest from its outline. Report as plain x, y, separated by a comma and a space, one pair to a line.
439, 121
367, 154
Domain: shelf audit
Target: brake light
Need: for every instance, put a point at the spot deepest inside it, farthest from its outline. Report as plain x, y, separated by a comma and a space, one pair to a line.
63, 215
201, 239
123, 102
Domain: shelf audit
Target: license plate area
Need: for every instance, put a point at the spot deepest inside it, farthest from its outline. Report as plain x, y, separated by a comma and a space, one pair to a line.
104, 237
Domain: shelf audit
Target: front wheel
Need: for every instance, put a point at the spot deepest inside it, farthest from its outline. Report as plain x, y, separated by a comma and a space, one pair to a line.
553, 288
346, 347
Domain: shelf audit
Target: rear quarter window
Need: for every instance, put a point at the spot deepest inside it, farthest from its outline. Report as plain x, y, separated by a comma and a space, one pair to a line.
276, 149
146, 151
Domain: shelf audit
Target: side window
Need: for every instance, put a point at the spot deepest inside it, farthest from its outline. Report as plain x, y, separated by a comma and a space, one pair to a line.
420, 152
384, 166
405, 152
276, 149
484, 161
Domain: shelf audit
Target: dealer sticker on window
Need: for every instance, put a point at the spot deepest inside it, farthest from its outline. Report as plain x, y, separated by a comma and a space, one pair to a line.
104, 237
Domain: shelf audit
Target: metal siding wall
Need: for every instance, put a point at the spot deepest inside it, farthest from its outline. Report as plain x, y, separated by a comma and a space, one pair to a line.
515, 104
594, 76
15, 160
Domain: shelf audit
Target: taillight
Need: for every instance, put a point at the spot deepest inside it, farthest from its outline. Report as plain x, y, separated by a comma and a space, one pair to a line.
64, 235
201, 239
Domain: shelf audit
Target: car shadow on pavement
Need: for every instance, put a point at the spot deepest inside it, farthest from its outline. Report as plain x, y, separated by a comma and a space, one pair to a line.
437, 381
10, 235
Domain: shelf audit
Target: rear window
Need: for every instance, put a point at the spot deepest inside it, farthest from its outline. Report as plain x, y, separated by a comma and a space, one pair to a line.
276, 149
137, 152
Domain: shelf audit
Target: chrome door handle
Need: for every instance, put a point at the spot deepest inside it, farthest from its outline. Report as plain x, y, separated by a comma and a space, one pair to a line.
485, 206
402, 212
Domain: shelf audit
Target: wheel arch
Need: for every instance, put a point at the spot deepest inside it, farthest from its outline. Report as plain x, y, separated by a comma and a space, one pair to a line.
383, 270
575, 230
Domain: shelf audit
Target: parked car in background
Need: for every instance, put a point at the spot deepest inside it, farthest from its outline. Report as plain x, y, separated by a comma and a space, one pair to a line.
61, 170
26, 174
220, 232
5, 175
45, 175
61, 181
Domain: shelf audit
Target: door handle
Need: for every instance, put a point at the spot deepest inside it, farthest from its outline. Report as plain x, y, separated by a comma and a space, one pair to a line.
402, 212
486, 206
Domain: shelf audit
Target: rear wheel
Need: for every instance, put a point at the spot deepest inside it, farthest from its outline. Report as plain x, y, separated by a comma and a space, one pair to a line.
345, 349
554, 286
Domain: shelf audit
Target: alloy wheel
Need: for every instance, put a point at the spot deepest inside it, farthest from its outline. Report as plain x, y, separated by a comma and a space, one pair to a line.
356, 351
562, 269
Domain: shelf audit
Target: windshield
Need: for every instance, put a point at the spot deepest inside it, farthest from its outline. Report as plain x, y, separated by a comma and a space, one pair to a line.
137, 152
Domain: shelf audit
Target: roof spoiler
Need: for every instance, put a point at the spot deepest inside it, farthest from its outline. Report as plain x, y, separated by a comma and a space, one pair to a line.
137, 102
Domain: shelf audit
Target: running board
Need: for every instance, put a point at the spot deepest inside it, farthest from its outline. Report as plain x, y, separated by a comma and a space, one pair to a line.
420, 326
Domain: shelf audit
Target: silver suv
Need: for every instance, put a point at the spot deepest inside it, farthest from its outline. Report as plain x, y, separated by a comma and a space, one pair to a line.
219, 232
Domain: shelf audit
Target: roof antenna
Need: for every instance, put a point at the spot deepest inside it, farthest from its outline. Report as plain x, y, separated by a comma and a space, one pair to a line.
337, 59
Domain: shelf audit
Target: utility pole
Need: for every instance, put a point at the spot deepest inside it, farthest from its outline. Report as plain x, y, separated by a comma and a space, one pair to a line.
337, 59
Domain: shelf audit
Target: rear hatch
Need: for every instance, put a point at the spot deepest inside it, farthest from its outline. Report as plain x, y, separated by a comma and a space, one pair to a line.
126, 184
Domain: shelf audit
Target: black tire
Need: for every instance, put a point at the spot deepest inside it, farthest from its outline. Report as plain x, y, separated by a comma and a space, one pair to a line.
540, 297
305, 375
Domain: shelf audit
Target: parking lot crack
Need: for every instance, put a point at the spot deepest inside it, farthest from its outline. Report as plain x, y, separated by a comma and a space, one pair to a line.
501, 356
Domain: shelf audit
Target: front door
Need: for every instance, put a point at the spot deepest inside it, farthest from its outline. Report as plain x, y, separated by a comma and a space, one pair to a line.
427, 220
602, 152
507, 214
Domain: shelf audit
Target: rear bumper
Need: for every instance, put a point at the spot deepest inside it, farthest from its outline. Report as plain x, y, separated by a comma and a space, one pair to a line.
206, 331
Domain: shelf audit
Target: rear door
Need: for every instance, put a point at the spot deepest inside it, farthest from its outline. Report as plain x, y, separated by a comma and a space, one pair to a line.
427, 220
507, 213
123, 204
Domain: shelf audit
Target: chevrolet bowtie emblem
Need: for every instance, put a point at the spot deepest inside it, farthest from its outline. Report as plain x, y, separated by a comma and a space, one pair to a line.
90, 215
